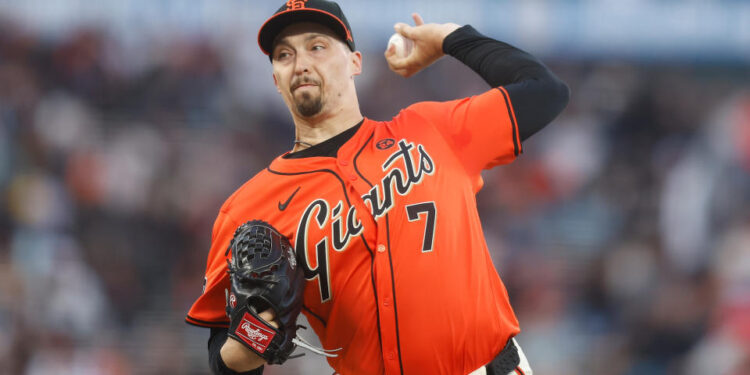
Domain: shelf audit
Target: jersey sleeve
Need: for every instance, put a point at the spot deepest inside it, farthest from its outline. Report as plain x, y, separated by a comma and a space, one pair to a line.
209, 309
481, 130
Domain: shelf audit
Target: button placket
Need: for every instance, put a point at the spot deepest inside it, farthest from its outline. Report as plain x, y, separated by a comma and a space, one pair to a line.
382, 271
348, 171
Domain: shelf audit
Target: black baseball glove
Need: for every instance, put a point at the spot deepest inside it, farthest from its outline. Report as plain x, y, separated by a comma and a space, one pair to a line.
264, 274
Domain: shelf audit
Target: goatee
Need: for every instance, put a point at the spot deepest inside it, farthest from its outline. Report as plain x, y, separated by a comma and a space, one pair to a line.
308, 105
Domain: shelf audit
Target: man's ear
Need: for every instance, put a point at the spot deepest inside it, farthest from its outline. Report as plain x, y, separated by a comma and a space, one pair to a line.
356, 61
276, 83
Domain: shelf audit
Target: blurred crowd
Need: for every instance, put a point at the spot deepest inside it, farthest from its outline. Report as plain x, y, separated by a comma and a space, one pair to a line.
622, 232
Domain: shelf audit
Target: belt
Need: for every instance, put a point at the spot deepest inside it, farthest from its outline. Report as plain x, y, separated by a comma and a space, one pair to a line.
506, 361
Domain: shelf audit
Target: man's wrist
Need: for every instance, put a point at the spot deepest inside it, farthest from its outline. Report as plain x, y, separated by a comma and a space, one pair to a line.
237, 357
448, 29
460, 36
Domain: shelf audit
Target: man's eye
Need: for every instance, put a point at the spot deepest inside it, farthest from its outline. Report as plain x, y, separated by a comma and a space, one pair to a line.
282, 55
318, 47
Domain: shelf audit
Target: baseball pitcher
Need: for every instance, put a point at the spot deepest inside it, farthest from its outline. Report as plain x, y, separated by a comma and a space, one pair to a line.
371, 228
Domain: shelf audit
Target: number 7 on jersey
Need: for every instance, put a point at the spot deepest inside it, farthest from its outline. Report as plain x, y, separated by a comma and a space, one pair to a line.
413, 212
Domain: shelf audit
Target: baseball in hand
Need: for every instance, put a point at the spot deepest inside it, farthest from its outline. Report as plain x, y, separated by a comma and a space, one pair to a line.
403, 45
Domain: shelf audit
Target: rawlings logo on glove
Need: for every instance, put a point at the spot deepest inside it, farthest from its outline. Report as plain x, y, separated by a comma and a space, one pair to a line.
252, 333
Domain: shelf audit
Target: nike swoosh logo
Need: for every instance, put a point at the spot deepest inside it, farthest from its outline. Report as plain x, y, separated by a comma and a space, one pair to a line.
282, 206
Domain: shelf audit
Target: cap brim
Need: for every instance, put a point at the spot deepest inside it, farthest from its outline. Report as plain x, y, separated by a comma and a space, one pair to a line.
279, 21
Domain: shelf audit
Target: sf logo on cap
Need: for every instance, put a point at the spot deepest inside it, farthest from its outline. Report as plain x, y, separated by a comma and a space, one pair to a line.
295, 4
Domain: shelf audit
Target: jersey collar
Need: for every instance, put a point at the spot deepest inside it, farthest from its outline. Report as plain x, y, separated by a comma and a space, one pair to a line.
345, 152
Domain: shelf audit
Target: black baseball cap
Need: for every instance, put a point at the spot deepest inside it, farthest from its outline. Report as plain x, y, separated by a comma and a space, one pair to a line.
327, 13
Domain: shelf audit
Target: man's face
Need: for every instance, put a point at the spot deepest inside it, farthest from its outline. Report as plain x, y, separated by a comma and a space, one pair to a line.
313, 68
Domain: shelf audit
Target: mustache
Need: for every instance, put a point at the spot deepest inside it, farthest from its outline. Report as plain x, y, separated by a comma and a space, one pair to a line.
304, 81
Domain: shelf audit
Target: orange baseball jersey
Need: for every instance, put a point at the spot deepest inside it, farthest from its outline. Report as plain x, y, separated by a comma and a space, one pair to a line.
398, 272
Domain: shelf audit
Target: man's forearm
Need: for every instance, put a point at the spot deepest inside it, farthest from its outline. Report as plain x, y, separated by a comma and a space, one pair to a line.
537, 95
239, 358
229, 357
498, 63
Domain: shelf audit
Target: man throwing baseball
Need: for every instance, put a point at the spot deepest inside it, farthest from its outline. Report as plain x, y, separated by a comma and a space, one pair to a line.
381, 216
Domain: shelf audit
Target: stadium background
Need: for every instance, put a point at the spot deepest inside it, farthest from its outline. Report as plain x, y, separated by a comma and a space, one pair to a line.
622, 233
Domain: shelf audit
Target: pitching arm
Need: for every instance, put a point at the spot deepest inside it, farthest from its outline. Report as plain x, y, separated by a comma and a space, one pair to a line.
536, 94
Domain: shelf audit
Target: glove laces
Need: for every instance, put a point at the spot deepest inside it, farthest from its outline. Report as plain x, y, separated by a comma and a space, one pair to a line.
302, 343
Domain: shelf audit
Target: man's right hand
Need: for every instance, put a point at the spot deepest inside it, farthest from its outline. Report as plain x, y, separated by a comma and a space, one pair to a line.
238, 357
428, 45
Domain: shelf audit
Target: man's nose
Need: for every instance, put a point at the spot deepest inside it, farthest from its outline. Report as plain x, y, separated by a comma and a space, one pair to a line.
302, 63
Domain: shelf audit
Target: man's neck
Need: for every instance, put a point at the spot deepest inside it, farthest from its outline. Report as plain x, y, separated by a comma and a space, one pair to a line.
311, 131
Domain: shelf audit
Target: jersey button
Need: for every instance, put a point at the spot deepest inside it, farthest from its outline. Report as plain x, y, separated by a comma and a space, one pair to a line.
381, 248
343, 162
391, 355
386, 302
352, 177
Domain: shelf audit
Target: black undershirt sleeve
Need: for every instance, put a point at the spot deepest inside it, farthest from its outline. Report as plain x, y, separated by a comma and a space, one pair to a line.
537, 95
217, 365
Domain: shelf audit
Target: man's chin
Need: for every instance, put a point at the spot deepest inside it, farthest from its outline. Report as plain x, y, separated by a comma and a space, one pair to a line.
309, 115
309, 107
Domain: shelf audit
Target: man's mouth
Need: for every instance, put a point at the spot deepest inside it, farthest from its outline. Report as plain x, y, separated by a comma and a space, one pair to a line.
303, 85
